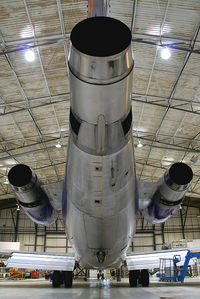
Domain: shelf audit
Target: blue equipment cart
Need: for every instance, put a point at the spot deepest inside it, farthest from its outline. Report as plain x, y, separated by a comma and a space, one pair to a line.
169, 271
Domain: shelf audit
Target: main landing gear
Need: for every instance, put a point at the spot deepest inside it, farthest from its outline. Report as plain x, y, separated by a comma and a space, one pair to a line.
139, 277
60, 277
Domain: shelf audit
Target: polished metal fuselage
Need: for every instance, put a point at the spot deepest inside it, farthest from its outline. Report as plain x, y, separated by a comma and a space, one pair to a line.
100, 193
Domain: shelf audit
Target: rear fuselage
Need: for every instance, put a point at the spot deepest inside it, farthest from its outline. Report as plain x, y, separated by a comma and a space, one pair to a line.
100, 192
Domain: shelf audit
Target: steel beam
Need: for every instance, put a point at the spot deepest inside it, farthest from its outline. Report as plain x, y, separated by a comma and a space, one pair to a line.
163, 232
182, 223
45, 239
36, 233
154, 237
174, 88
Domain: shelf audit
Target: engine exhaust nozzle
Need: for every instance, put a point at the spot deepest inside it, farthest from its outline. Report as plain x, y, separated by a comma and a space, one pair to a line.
20, 175
30, 196
178, 176
100, 52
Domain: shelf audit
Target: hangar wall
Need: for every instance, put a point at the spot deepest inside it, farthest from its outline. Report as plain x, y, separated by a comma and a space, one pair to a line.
184, 224
16, 226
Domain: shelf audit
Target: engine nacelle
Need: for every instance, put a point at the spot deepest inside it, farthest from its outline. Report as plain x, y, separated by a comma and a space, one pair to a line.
169, 194
30, 196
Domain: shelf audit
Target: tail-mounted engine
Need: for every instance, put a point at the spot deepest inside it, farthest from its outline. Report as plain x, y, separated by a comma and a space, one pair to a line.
169, 193
30, 196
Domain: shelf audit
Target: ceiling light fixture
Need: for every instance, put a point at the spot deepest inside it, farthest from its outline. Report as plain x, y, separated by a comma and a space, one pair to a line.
165, 53
58, 145
194, 159
139, 144
30, 55
6, 181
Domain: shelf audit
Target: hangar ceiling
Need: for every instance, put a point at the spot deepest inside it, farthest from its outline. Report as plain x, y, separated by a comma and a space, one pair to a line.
34, 96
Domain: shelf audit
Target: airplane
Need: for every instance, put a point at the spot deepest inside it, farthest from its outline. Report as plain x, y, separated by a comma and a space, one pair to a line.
101, 196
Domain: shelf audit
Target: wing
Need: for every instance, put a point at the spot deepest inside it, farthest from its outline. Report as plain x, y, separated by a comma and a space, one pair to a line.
42, 260
54, 193
151, 260
146, 191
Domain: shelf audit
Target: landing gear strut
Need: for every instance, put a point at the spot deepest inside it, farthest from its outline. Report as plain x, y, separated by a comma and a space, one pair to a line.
56, 279
60, 277
133, 278
144, 278
139, 277
67, 277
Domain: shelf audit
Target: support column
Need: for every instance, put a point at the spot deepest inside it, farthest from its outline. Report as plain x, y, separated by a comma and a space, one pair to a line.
35, 243
163, 232
66, 244
45, 240
132, 246
142, 222
56, 222
182, 224
15, 223
154, 237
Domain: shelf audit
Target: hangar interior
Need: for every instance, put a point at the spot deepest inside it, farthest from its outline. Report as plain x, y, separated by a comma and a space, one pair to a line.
35, 96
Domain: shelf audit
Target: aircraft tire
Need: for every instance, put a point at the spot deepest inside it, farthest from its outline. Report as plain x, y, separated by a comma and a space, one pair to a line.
56, 280
145, 278
133, 278
67, 275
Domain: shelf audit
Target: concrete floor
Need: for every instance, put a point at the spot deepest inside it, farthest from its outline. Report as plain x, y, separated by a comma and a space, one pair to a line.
94, 289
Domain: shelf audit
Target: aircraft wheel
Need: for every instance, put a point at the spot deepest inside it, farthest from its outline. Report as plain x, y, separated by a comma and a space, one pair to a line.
133, 278
56, 280
98, 275
67, 279
145, 278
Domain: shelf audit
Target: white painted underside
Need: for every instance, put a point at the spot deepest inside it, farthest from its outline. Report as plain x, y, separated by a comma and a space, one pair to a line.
41, 261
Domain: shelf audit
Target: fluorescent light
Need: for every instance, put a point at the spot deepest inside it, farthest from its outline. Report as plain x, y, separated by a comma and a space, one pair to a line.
58, 145
30, 55
165, 53
139, 144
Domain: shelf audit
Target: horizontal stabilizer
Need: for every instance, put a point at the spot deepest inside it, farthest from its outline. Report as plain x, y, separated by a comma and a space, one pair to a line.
151, 260
43, 261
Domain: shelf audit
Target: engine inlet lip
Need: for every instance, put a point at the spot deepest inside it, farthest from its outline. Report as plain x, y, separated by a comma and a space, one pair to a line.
20, 175
100, 36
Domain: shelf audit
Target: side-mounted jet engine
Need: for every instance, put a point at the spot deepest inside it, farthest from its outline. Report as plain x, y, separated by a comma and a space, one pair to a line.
30, 196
